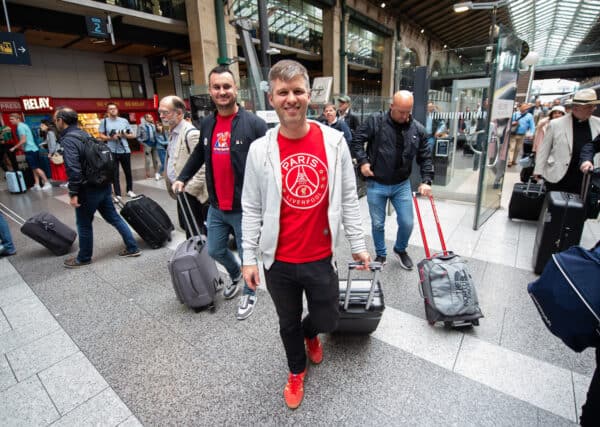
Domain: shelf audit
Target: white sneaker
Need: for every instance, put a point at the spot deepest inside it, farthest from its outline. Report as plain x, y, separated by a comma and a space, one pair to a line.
36, 187
157, 176
47, 186
64, 185
131, 194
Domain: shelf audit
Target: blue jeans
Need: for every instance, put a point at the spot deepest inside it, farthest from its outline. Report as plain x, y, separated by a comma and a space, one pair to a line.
6, 238
162, 153
219, 224
92, 200
401, 198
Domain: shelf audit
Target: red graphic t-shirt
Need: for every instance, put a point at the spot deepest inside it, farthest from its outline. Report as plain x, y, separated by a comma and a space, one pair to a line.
222, 171
304, 234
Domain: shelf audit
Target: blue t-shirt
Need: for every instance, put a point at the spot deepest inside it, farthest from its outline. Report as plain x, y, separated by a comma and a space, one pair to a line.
119, 124
23, 129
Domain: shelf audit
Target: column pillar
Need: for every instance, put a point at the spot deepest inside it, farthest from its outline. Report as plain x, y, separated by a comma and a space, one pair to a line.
331, 45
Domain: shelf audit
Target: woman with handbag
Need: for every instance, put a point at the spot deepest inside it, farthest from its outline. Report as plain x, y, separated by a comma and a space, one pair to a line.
57, 167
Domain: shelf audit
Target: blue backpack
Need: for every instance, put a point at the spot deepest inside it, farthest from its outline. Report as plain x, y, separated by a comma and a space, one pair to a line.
567, 296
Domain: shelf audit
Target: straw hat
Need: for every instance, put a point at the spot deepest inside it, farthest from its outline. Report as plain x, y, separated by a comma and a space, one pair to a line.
585, 97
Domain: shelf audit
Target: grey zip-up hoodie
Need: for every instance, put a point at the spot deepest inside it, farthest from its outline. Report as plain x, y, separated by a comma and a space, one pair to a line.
261, 197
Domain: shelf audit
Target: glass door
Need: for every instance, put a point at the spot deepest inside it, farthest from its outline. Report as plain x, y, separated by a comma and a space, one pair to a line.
495, 133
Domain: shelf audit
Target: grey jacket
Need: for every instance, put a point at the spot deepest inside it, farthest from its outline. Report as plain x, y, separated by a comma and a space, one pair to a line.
554, 155
261, 197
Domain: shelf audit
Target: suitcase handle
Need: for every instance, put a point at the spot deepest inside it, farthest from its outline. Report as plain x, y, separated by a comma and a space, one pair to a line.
187, 213
375, 267
437, 223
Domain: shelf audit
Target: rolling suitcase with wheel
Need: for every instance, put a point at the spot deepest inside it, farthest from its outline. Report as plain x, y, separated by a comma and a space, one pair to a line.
361, 301
526, 201
48, 230
16, 182
148, 220
561, 223
445, 284
193, 272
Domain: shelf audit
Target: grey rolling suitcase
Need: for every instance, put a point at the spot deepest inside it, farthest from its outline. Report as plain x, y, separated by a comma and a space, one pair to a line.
193, 272
361, 302
445, 283
16, 182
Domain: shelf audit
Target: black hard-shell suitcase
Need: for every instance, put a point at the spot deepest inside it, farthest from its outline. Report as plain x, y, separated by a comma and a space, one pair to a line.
193, 272
149, 220
362, 307
559, 227
526, 201
445, 283
48, 230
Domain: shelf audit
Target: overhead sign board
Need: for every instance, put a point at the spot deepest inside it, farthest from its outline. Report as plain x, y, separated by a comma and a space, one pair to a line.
37, 103
13, 49
96, 27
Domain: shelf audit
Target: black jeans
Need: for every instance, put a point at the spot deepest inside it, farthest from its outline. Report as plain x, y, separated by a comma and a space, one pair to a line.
590, 412
286, 282
124, 159
199, 211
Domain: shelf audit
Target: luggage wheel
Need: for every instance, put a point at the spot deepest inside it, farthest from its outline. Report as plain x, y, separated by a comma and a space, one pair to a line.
475, 322
448, 325
431, 322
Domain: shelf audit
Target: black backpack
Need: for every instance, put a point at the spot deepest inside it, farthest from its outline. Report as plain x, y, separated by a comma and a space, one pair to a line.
98, 162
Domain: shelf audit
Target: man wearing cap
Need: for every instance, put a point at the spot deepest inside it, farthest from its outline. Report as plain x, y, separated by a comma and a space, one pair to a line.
345, 114
557, 160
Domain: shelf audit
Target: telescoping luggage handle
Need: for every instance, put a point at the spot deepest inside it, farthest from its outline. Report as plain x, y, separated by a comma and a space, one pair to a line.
375, 267
437, 223
187, 213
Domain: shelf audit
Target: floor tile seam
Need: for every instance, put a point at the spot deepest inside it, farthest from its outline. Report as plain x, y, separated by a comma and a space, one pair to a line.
11, 370
49, 396
53, 328
90, 398
574, 395
502, 327
55, 363
6, 318
462, 339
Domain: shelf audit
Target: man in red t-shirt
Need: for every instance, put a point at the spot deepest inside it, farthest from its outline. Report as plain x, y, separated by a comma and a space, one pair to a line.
299, 190
225, 137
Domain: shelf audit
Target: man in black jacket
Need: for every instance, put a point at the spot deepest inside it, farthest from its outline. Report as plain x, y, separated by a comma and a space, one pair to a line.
392, 140
84, 198
346, 115
225, 137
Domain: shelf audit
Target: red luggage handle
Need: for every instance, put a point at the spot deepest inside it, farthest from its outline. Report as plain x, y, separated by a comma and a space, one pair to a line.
437, 223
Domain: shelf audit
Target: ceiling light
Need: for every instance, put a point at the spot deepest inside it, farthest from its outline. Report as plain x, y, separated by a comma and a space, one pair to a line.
486, 5
422, 30
382, 5
445, 46
98, 41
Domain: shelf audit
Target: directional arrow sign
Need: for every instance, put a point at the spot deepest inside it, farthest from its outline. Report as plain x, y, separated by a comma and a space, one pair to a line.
13, 49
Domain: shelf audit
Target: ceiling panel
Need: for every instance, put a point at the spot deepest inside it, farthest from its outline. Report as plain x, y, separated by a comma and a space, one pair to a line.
48, 39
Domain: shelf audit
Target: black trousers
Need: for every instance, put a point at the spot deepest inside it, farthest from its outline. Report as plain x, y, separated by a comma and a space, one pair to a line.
199, 211
12, 158
590, 412
123, 159
286, 283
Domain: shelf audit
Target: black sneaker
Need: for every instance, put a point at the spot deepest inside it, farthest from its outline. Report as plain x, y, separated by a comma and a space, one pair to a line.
405, 261
126, 253
381, 259
229, 291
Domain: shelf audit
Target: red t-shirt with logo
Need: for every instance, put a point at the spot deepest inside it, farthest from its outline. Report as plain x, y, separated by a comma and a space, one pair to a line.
222, 170
304, 234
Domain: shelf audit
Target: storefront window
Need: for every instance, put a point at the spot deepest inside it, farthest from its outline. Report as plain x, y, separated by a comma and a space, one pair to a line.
186, 79
168, 8
292, 23
364, 47
125, 80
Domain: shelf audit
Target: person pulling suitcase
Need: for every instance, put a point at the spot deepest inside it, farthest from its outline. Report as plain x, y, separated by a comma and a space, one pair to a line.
85, 197
300, 184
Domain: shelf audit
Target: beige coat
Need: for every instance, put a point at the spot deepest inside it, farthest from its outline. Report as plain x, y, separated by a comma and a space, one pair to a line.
554, 155
197, 185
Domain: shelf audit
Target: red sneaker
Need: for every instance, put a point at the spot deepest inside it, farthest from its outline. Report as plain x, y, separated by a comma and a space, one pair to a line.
293, 393
315, 350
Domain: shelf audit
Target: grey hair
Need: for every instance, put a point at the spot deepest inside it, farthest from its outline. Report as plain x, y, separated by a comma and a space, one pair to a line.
287, 70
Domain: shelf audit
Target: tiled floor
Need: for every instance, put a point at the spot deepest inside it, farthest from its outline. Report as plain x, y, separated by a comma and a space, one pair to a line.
110, 345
